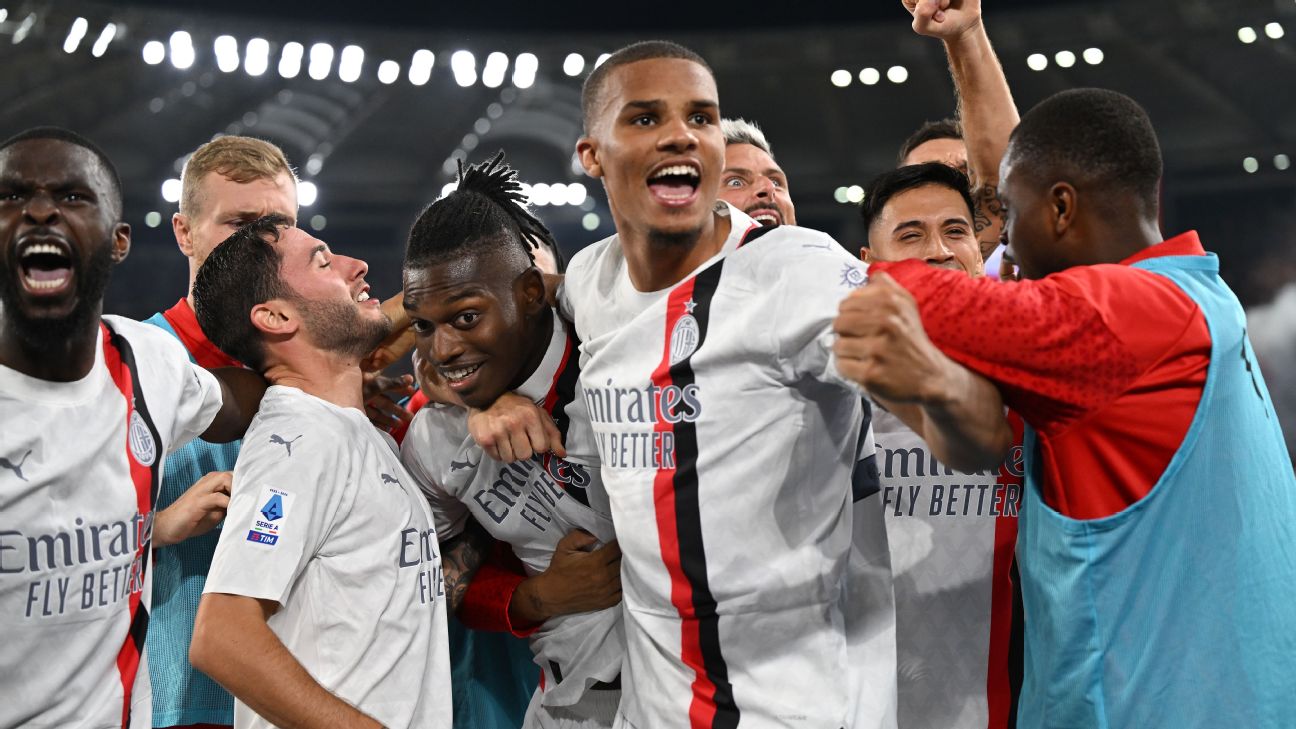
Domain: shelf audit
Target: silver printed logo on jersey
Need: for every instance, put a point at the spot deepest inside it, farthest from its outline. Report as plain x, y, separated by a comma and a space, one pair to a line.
141, 440
684, 339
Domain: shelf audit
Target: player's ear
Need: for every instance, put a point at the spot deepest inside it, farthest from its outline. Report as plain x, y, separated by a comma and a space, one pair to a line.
183, 233
121, 242
866, 255
587, 151
530, 291
1062, 202
275, 317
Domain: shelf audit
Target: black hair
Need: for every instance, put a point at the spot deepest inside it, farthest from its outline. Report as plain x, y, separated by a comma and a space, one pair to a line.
1097, 138
633, 53
240, 273
893, 182
486, 209
67, 135
940, 129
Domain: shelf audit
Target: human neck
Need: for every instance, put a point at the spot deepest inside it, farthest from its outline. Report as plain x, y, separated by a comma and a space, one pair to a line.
1120, 239
330, 376
65, 360
655, 263
540, 335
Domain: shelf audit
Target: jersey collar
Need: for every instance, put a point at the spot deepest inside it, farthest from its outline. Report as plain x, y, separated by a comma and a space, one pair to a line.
1186, 244
182, 319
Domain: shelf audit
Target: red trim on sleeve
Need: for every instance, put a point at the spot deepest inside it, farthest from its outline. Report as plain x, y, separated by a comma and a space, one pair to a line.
1106, 362
486, 602
182, 319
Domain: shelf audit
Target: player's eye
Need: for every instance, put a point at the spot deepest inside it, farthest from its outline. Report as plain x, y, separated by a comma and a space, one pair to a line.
466, 319
700, 118
420, 326
642, 120
956, 230
735, 182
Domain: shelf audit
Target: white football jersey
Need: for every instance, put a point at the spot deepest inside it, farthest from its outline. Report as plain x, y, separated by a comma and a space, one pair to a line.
80, 465
727, 438
325, 521
530, 505
952, 537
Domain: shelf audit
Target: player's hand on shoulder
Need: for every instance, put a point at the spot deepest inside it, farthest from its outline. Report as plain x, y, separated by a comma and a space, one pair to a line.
514, 429
198, 510
944, 19
882, 346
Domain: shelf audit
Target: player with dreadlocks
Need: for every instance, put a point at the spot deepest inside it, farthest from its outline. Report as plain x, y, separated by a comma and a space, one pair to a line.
478, 307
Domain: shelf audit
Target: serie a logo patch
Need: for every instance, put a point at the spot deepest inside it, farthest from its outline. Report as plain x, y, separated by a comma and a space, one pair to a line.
271, 517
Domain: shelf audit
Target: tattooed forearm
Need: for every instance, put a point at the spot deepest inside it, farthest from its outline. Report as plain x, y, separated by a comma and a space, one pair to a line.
988, 218
461, 555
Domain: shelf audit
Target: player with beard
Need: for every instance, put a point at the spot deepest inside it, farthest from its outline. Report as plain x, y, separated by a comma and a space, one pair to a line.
477, 303
727, 436
89, 406
325, 604
752, 181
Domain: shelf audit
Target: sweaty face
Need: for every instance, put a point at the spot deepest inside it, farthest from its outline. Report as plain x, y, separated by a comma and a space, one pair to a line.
59, 236
655, 140
330, 293
949, 152
931, 223
471, 317
224, 205
754, 184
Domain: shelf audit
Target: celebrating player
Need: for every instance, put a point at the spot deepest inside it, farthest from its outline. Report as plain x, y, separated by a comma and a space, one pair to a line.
477, 303
752, 181
325, 603
89, 407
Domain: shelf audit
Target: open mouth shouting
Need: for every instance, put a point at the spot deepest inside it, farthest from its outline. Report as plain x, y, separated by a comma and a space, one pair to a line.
675, 184
765, 215
44, 265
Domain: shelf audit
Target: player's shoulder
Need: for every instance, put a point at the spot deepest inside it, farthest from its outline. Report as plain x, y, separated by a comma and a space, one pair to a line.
791, 254
595, 262
436, 430
148, 339
292, 423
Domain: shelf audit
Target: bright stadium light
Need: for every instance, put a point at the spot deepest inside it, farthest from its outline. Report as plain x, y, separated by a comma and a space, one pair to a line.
1282, 162
573, 64
182, 50
256, 59
897, 74
602, 57
464, 66
154, 52
1251, 165
1274, 30
854, 193
306, 193
388, 72
227, 54
869, 76
493, 72
1093, 56
1037, 61
75, 35
840, 78
420, 69
1065, 59
1247, 34
524, 70
321, 61
840, 195
540, 194
350, 63
290, 59
171, 190
590, 221
106, 37
448, 188
24, 28
576, 193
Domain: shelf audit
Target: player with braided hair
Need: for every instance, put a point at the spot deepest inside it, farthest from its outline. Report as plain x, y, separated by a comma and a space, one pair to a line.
477, 303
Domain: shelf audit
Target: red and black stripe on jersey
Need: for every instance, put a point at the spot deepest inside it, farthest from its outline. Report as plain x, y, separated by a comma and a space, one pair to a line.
561, 394
679, 522
119, 359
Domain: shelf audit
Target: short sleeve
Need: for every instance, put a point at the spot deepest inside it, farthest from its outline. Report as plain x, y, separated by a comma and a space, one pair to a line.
810, 284
200, 400
182, 397
420, 456
281, 508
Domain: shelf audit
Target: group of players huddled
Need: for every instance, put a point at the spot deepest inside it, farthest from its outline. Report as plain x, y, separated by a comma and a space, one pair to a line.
718, 471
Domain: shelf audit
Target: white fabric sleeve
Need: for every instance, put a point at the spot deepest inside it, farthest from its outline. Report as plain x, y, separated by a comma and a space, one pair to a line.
421, 457
809, 286
182, 397
200, 400
282, 507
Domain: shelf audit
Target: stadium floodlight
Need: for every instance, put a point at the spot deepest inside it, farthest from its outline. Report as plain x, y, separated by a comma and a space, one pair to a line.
1093, 56
227, 53
182, 50
420, 69
321, 61
1064, 59
464, 66
171, 190
897, 74
869, 76
1037, 61
493, 71
290, 59
388, 72
154, 52
256, 59
840, 78
350, 63
105, 37
573, 64
75, 35
307, 192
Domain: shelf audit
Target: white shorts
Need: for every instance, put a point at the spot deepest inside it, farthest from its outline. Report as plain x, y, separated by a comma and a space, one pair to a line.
596, 710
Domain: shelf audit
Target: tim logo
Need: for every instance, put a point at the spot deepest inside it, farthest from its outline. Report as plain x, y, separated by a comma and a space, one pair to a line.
262, 538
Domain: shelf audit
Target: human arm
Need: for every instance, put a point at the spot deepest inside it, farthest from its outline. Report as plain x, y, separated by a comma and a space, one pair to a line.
461, 555
579, 578
514, 428
233, 644
986, 109
882, 346
241, 392
198, 510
